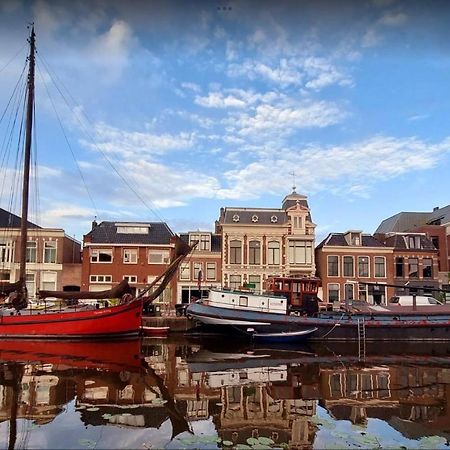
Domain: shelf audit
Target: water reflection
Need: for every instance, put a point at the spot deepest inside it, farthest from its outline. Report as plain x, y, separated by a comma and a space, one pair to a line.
174, 394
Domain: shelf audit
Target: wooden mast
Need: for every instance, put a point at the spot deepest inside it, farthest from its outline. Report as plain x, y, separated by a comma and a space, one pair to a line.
27, 158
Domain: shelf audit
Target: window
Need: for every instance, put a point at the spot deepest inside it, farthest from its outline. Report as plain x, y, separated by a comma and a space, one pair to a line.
333, 292
211, 271
30, 283
235, 252
100, 278
158, 257
300, 252
185, 271
130, 256
254, 252
363, 266
6, 252
205, 242
31, 252
414, 242
399, 267
349, 269
356, 239
413, 268
333, 266
297, 222
235, 281
362, 292
427, 267
101, 256
349, 291
130, 278
243, 301
273, 253
380, 266
48, 281
50, 252
4, 276
197, 269
435, 241
256, 281
132, 229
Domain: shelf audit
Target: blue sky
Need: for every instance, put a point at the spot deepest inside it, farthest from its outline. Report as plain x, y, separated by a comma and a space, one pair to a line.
205, 104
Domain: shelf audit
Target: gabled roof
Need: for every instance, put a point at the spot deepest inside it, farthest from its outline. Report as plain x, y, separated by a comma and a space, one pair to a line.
403, 221
10, 220
338, 240
106, 233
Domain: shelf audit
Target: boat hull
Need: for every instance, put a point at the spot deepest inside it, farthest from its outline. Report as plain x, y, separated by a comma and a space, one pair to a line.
121, 320
331, 326
284, 336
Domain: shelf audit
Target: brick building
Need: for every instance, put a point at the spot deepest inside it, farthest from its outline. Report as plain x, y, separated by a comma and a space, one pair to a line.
204, 264
346, 261
262, 242
138, 252
53, 258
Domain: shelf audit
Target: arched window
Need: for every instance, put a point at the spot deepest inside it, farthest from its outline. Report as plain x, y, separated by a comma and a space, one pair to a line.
273, 253
254, 252
235, 252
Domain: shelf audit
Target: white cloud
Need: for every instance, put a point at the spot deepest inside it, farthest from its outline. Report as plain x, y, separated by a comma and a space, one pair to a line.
218, 100
393, 19
191, 86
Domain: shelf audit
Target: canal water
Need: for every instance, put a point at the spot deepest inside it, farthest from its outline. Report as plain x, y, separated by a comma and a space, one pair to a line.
210, 393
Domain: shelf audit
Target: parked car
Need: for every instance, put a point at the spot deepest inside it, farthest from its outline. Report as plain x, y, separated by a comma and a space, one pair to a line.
407, 300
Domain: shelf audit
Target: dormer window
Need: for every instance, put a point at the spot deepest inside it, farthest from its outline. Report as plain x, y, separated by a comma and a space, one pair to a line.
274, 219
254, 218
236, 218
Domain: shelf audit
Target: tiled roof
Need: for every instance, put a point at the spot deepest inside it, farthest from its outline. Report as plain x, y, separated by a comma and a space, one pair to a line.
338, 240
10, 220
265, 216
403, 221
440, 215
106, 233
398, 241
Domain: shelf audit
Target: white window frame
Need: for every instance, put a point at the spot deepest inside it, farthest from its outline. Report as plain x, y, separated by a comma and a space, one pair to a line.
130, 278
273, 252
100, 279
43, 280
236, 276
128, 254
374, 267
95, 255
211, 266
353, 265
328, 267
368, 266
196, 268
185, 271
31, 245
338, 291
165, 256
53, 246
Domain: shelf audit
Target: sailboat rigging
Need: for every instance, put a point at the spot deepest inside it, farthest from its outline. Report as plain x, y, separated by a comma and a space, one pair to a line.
17, 320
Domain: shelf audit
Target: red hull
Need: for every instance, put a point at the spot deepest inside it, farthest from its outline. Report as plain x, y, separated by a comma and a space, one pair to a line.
115, 355
113, 321
155, 331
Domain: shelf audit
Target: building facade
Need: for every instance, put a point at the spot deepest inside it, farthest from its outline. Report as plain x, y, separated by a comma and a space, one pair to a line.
347, 261
53, 258
262, 242
202, 268
136, 252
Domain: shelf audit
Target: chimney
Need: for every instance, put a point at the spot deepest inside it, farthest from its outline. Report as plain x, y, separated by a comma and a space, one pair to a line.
435, 208
94, 224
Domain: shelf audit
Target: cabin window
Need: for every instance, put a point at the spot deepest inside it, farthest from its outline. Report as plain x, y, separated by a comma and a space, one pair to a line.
333, 292
50, 252
235, 252
349, 266
427, 267
333, 266
31, 252
185, 271
413, 268
254, 252
101, 256
399, 267
273, 253
243, 301
130, 256
158, 257
130, 278
235, 281
380, 266
363, 266
211, 271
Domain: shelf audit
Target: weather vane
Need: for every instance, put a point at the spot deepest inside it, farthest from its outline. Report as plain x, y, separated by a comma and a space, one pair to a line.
293, 181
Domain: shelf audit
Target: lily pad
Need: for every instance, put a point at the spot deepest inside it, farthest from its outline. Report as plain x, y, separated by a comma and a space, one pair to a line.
227, 443
252, 441
265, 440
107, 416
87, 443
243, 447
93, 408
260, 447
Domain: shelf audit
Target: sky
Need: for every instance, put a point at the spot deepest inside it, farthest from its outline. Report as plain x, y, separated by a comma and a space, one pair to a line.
168, 111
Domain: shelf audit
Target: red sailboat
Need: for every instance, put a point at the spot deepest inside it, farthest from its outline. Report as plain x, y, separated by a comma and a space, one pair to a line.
17, 320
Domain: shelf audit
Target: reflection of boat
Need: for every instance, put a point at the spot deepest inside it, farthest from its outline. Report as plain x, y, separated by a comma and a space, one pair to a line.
112, 355
16, 320
283, 336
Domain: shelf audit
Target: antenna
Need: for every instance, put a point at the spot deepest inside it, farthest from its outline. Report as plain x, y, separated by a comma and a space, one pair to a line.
293, 181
